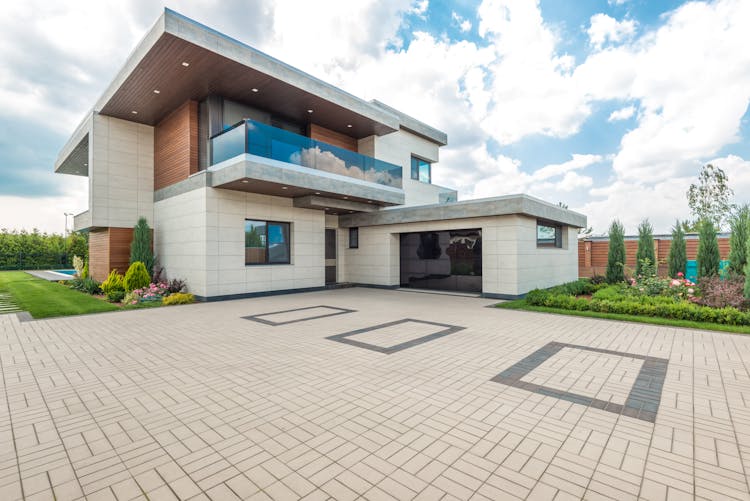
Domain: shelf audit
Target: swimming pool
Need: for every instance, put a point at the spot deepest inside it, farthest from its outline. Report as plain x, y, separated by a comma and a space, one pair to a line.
65, 272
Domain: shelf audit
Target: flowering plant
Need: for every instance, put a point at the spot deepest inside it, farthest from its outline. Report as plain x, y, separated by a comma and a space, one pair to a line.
682, 288
153, 292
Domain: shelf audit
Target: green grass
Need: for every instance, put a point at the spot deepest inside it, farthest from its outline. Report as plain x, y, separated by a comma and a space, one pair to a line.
43, 299
521, 304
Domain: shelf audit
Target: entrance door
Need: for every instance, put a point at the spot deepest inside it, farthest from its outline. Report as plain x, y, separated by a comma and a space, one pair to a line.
330, 256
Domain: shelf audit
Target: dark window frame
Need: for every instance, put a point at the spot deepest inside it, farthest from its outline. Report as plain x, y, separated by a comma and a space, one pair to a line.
354, 237
268, 253
415, 169
558, 243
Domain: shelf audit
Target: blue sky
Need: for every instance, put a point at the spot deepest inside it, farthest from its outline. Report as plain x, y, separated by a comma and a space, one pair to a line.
608, 106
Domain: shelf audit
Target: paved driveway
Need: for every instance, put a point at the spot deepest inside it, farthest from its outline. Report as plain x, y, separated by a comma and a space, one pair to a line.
378, 394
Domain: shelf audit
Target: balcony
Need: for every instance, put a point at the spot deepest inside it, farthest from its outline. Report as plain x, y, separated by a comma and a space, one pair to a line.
256, 157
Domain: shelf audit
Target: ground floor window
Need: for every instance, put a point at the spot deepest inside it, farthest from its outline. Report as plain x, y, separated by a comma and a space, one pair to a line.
266, 242
548, 234
353, 238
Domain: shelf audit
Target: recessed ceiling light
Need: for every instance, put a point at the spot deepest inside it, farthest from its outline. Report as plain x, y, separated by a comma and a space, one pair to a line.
245, 181
349, 125
134, 112
157, 91
317, 193
254, 89
85, 165
284, 188
346, 198
185, 64
309, 111
351, 211
369, 201
325, 208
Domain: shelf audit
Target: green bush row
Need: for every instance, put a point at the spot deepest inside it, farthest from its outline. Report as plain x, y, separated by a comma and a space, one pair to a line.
644, 305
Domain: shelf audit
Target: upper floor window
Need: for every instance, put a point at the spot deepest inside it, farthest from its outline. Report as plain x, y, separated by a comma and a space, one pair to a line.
421, 170
548, 234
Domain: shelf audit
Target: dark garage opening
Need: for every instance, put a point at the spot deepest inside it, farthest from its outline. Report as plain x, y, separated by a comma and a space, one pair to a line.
442, 260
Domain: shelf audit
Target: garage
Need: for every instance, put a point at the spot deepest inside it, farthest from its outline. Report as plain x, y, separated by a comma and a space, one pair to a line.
448, 260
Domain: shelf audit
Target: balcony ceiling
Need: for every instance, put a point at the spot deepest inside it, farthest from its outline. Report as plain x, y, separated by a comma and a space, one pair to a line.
230, 69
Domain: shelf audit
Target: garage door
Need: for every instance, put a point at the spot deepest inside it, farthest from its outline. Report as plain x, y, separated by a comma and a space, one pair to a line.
442, 260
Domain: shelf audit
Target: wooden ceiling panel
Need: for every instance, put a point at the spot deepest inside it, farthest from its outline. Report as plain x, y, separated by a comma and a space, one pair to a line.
210, 73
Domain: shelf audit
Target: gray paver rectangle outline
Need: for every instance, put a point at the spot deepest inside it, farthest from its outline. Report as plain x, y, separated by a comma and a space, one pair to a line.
256, 318
643, 399
345, 337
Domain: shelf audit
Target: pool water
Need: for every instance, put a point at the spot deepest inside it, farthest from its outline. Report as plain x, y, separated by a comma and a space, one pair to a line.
66, 272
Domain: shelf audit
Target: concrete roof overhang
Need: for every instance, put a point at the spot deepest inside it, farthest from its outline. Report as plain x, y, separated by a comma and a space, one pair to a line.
183, 59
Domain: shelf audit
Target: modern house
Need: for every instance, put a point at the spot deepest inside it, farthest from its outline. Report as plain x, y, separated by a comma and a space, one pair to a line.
259, 178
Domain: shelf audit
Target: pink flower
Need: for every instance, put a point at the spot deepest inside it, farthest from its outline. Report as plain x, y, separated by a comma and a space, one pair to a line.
680, 274
675, 282
690, 291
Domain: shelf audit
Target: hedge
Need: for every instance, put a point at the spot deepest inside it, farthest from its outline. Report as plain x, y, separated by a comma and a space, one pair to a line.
644, 305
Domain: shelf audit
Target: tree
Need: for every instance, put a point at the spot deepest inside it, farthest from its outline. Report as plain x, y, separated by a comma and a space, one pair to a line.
709, 199
616, 255
77, 244
141, 249
747, 269
739, 225
708, 250
645, 246
677, 251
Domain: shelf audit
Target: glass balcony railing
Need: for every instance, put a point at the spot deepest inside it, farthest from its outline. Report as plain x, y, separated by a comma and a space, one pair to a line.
266, 141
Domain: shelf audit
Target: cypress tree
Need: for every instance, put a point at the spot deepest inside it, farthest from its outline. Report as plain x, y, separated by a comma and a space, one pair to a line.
740, 228
708, 250
677, 251
747, 269
645, 246
616, 255
140, 248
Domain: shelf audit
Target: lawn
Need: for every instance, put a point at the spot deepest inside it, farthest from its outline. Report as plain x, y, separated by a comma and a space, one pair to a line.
522, 304
44, 299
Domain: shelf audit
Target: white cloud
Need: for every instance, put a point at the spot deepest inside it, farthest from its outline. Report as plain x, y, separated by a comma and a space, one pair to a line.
45, 213
621, 114
420, 7
463, 24
604, 28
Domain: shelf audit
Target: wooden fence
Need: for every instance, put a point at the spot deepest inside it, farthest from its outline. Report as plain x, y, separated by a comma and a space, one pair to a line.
592, 253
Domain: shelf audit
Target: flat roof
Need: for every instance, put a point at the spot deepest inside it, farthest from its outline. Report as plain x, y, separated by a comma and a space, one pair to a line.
483, 207
183, 59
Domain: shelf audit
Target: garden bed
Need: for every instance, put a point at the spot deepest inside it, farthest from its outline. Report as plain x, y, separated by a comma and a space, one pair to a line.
674, 302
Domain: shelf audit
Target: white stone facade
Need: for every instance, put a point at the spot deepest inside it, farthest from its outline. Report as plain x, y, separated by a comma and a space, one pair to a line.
121, 172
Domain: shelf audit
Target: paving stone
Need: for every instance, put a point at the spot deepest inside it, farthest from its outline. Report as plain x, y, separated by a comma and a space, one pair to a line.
199, 403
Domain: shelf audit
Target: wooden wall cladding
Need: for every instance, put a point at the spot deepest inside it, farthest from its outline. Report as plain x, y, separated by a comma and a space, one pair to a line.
109, 248
332, 137
99, 254
119, 249
176, 146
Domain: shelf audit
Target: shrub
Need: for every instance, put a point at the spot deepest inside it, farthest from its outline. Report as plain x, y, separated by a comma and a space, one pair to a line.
158, 275
647, 282
141, 249
78, 266
116, 296
616, 256
114, 282
677, 252
720, 293
598, 280
178, 298
85, 271
136, 277
645, 246
87, 285
740, 227
176, 285
708, 250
